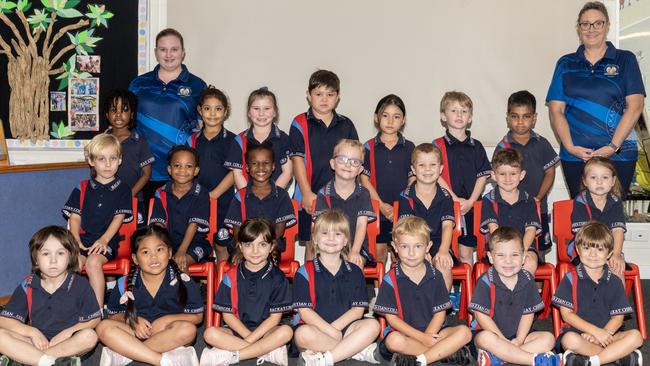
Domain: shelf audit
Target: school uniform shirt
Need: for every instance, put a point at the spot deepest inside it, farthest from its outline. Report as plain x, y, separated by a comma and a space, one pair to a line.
259, 293
279, 141
419, 301
212, 155
100, 204
595, 98
164, 302
519, 216
355, 206
538, 155
596, 301
508, 305
392, 167
467, 161
336, 293
135, 156
167, 113
276, 207
322, 139
585, 210
440, 210
193, 207
73, 302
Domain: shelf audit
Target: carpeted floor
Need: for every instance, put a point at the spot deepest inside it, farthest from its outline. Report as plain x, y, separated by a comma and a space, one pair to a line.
93, 358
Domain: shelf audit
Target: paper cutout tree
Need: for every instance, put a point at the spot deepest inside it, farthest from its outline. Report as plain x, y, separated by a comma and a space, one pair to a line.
31, 61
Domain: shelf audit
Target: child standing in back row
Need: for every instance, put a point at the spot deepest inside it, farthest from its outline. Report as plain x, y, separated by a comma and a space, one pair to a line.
466, 167
313, 136
539, 157
386, 165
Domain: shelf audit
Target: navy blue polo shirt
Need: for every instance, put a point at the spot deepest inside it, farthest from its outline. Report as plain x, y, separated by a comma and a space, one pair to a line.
467, 162
135, 156
509, 305
519, 216
165, 302
419, 301
597, 301
101, 203
440, 210
259, 294
212, 156
281, 149
322, 139
73, 302
167, 113
193, 207
335, 293
358, 204
612, 214
594, 116
538, 155
276, 207
392, 167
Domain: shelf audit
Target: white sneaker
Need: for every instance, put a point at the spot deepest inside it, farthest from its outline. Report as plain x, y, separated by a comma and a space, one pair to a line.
180, 356
278, 356
367, 354
215, 357
311, 358
112, 358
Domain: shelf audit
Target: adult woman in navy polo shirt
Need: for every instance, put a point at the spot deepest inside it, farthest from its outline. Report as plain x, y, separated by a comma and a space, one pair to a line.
167, 99
595, 99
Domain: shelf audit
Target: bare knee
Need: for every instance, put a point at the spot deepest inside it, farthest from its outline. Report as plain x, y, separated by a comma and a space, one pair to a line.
183, 330
94, 264
571, 340
304, 335
485, 338
547, 339
284, 332
369, 325
87, 338
463, 333
635, 338
396, 342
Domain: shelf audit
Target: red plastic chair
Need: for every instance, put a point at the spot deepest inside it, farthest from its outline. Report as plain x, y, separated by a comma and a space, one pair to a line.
562, 230
288, 265
121, 264
205, 269
461, 272
545, 272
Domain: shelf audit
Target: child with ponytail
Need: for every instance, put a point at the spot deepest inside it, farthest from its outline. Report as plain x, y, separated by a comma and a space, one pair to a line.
252, 297
154, 310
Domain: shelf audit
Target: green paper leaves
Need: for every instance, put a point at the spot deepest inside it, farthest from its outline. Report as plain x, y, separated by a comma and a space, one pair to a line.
40, 20
84, 41
7, 6
98, 15
70, 72
61, 131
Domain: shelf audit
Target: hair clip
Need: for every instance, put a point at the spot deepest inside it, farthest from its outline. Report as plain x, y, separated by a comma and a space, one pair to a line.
127, 295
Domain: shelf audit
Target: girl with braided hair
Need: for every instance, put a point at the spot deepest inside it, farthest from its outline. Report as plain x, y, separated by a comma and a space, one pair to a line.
252, 297
154, 310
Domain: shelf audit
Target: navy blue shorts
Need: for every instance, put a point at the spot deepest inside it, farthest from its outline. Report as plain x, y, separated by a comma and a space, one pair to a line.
385, 231
304, 226
468, 238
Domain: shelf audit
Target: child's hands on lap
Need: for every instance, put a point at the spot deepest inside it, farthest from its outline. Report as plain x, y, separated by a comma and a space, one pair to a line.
181, 259
38, 339
429, 340
64, 335
142, 328
100, 246
603, 337
443, 260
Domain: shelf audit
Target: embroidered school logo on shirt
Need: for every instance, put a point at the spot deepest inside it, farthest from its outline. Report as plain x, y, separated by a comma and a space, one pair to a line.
223, 233
184, 91
611, 70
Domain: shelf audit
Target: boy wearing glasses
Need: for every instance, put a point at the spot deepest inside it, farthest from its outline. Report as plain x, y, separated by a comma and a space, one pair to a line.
539, 157
427, 200
346, 194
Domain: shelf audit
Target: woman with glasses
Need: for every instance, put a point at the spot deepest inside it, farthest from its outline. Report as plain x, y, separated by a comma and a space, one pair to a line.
595, 99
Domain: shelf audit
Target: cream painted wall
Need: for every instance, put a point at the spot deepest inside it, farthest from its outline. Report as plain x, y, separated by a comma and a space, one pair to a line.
416, 49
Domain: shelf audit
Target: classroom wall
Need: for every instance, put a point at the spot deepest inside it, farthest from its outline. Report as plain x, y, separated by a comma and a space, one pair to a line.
416, 49
30, 200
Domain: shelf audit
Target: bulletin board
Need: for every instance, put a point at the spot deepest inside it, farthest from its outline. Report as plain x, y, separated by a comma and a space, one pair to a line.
112, 63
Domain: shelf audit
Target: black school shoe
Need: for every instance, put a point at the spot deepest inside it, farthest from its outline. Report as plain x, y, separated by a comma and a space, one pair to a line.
403, 360
68, 361
462, 357
633, 359
573, 359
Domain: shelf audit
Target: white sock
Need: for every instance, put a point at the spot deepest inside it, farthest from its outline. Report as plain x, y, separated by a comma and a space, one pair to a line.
595, 360
422, 360
46, 360
235, 357
329, 361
